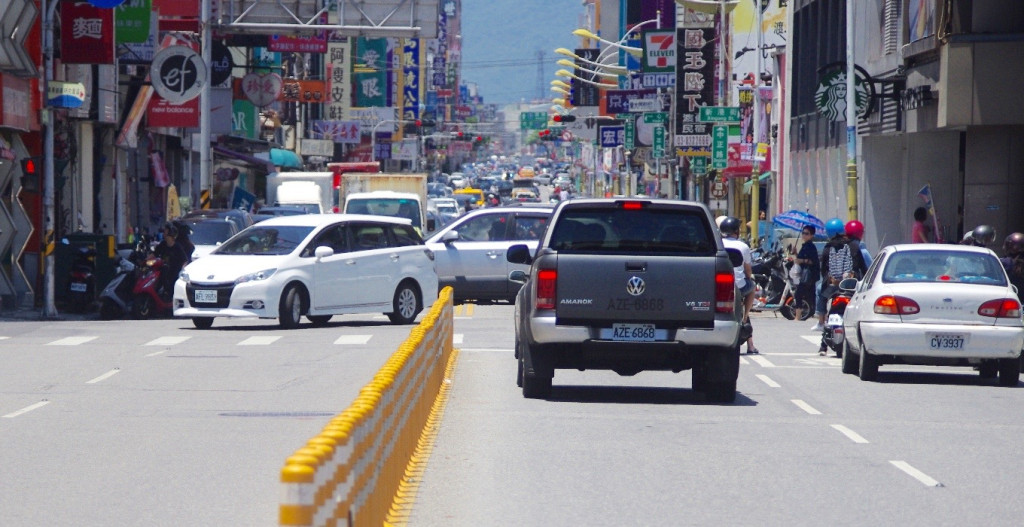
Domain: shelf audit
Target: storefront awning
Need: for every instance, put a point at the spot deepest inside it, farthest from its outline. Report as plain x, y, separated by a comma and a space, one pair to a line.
285, 158
239, 157
760, 179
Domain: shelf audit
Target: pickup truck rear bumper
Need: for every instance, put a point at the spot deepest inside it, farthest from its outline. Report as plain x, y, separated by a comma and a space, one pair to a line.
724, 334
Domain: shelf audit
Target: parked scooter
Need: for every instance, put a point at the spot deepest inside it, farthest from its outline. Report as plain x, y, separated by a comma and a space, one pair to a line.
117, 297
774, 288
147, 301
834, 335
82, 283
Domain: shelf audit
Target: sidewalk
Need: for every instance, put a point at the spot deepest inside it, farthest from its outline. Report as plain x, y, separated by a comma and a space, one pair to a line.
35, 313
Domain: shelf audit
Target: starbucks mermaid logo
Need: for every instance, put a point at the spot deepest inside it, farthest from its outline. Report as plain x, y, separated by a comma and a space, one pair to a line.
830, 96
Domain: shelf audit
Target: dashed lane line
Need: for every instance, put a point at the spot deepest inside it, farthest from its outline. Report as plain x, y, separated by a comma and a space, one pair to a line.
767, 380
853, 436
260, 340
916, 474
27, 409
166, 341
105, 376
353, 339
805, 407
761, 361
457, 338
71, 341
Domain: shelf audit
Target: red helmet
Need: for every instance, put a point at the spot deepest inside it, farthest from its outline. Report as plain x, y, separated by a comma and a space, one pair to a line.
855, 229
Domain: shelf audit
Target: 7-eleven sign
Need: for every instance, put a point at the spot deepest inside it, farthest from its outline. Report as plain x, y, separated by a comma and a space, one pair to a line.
659, 51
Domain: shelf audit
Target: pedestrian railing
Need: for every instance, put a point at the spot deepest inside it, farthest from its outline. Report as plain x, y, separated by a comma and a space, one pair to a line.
350, 472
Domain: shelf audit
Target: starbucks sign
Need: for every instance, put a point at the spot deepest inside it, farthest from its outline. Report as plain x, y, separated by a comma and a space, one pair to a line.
830, 96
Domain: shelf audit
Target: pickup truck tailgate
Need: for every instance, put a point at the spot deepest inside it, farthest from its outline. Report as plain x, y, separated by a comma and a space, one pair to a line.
669, 291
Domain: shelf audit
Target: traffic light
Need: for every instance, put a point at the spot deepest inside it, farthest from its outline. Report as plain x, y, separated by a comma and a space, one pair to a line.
31, 169
558, 118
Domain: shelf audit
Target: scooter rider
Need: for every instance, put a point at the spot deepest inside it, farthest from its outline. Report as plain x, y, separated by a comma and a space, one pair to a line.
173, 256
981, 236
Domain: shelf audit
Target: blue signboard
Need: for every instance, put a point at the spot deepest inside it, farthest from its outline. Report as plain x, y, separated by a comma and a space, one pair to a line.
611, 136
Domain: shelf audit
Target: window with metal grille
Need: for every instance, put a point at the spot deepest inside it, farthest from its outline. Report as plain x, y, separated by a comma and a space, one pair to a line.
891, 32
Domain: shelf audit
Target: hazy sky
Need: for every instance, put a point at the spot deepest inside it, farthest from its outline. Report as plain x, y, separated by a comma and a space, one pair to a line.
500, 41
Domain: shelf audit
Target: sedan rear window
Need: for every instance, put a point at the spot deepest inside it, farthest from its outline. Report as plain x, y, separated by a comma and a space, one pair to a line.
647, 231
944, 266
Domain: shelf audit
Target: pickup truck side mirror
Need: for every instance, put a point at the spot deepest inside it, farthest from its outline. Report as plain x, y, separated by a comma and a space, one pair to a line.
519, 253
450, 236
518, 276
323, 251
735, 256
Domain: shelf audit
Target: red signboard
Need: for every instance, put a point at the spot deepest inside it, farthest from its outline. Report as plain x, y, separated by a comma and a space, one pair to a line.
303, 91
86, 33
162, 114
15, 100
180, 8
298, 44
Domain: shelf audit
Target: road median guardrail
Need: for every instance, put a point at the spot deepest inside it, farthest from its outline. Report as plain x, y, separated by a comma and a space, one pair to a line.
349, 473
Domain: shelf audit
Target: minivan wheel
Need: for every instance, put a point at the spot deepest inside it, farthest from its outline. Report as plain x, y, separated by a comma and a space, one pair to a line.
292, 307
202, 322
406, 305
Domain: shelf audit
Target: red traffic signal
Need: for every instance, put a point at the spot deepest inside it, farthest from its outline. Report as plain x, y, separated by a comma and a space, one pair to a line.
479, 138
564, 118
30, 166
419, 123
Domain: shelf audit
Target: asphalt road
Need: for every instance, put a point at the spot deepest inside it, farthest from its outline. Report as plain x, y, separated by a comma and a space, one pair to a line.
157, 423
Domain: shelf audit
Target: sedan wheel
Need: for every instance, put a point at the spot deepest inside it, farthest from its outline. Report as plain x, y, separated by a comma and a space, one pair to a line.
1009, 371
850, 362
868, 365
406, 305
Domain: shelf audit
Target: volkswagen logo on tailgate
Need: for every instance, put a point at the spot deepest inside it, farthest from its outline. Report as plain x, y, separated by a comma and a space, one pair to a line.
635, 286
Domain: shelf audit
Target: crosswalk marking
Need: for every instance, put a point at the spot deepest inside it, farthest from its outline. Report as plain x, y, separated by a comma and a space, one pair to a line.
167, 341
457, 338
805, 407
71, 341
763, 362
353, 339
27, 409
107, 375
259, 341
767, 380
813, 339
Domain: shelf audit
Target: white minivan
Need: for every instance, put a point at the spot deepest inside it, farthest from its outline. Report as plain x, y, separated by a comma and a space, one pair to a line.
314, 265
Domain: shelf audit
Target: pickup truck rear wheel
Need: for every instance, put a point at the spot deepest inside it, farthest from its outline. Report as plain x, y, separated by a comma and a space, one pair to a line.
537, 372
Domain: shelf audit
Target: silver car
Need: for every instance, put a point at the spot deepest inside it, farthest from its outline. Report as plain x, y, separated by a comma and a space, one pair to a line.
469, 253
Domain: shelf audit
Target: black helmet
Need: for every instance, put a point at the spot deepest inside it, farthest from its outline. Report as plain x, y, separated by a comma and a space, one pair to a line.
730, 225
982, 235
1014, 244
170, 229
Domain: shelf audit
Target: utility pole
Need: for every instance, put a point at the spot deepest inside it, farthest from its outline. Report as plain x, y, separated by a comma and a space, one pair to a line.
755, 176
851, 119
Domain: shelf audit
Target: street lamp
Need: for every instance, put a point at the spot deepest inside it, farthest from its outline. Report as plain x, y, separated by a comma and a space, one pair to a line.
571, 64
561, 84
613, 68
566, 73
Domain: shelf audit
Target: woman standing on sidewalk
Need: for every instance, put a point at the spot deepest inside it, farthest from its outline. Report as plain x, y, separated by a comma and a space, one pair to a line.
807, 259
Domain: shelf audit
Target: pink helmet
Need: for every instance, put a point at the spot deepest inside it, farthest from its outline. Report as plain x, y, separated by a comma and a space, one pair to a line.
855, 229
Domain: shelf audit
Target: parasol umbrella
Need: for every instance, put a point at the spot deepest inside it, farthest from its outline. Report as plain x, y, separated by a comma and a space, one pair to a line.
796, 220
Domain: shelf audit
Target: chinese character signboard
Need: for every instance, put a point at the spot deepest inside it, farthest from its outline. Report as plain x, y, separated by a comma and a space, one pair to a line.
337, 131
298, 43
371, 72
618, 101
694, 88
338, 78
86, 34
611, 136
303, 91
411, 79
132, 19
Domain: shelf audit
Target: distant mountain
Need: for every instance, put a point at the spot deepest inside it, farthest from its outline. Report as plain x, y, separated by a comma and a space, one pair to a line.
501, 40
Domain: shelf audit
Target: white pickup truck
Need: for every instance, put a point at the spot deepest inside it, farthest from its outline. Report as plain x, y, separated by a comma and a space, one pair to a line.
628, 285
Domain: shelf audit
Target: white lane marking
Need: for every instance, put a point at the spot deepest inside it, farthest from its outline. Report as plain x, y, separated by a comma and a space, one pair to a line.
743, 361
457, 338
854, 436
259, 341
805, 407
353, 339
763, 362
916, 474
765, 379
27, 409
71, 341
166, 341
4, 338
813, 339
155, 353
105, 376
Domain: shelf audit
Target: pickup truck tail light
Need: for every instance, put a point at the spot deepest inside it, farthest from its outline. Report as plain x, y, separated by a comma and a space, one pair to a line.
725, 292
896, 305
1000, 308
546, 279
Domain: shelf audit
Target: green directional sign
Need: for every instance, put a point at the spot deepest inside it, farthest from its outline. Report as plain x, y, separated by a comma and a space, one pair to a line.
699, 165
717, 114
630, 134
719, 146
656, 118
658, 147
533, 120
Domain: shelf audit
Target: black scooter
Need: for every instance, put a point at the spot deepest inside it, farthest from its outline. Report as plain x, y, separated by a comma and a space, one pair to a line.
82, 282
116, 298
834, 335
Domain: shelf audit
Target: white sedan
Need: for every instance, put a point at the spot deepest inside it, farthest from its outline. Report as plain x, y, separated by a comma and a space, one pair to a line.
314, 265
934, 304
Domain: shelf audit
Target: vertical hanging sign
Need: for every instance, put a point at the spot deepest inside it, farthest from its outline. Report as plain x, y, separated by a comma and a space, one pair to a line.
86, 34
694, 88
339, 76
411, 78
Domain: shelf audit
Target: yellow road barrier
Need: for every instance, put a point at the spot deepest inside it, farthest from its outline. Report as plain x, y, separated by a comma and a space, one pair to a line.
351, 472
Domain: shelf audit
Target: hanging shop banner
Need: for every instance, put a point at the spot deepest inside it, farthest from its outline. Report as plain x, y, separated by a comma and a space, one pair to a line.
694, 88
299, 43
142, 52
337, 131
339, 78
370, 70
15, 97
176, 8
410, 59
244, 121
303, 91
162, 114
161, 178
221, 64
381, 119
178, 73
86, 34
261, 89
620, 101
131, 21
